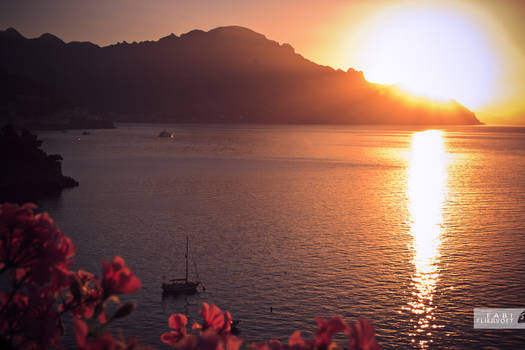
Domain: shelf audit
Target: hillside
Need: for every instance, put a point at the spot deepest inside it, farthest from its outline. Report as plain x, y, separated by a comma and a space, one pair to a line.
28, 171
228, 74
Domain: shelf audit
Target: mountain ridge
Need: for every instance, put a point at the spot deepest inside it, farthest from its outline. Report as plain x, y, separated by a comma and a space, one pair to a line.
227, 74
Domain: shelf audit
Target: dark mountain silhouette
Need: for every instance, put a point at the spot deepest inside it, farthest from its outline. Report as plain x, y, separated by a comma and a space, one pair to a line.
228, 74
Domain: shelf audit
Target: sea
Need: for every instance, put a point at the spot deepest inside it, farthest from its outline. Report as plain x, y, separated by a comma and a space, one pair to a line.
408, 227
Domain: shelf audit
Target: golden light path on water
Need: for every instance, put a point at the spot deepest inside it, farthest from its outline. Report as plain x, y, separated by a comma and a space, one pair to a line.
426, 189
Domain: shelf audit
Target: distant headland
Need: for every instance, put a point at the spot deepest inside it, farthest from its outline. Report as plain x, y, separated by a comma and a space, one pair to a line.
226, 75
28, 171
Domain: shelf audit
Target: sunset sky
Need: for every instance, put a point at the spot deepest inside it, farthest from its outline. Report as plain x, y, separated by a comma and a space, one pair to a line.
473, 51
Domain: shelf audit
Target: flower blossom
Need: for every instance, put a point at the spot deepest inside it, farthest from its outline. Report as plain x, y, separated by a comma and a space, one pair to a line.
296, 342
178, 323
86, 294
213, 318
33, 249
211, 340
362, 336
118, 279
326, 329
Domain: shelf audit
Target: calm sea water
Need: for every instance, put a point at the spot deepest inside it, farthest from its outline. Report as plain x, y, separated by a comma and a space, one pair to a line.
409, 228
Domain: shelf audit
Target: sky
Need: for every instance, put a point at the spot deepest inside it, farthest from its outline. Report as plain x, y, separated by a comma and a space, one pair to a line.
469, 50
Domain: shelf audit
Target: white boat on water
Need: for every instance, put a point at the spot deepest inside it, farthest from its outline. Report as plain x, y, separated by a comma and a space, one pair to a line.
166, 133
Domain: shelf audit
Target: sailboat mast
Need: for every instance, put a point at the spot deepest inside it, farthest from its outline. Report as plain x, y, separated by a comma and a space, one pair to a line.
187, 244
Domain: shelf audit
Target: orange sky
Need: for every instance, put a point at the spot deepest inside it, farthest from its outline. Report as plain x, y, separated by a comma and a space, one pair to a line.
476, 48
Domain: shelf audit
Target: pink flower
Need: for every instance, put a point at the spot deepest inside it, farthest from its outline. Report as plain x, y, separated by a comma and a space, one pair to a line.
208, 340
33, 249
211, 340
297, 342
214, 333
39, 322
362, 336
14, 307
326, 329
36, 258
214, 318
227, 322
81, 332
274, 344
86, 294
231, 342
189, 342
118, 279
178, 323
103, 342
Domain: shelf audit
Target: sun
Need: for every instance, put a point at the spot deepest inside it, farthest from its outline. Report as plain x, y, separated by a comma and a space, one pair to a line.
429, 51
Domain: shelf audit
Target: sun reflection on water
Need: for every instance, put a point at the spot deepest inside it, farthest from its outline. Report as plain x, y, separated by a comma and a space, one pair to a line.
426, 192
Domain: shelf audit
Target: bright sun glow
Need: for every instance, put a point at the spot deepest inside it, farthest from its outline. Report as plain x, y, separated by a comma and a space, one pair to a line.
431, 52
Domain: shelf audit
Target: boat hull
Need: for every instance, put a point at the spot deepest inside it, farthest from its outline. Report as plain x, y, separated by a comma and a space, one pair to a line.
180, 288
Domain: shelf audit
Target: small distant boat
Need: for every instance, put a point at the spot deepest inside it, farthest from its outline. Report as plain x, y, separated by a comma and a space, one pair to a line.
86, 133
181, 285
166, 133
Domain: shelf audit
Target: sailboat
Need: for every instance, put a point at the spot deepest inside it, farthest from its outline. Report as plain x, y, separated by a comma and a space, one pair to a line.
181, 285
